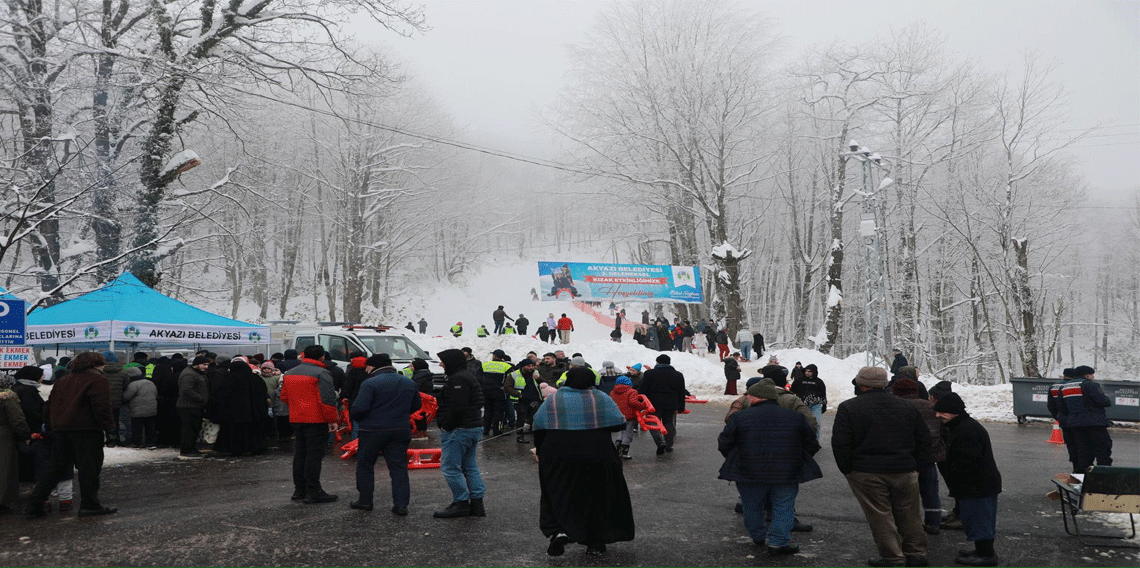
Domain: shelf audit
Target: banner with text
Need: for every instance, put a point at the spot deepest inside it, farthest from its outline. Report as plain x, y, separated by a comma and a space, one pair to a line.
619, 282
15, 357
140, 332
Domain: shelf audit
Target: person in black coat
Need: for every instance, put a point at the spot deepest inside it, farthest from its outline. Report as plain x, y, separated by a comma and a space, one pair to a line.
238, 404
731, 374
758, 344
972, 477
768, 452
813, 391
908, 372
878, 441
664, 386
460, 418
521, 324
26, 387
899, 361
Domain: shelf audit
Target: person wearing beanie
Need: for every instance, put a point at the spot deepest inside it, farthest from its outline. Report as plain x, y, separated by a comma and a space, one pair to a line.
906, 388
422, 376
1083, 402
775, 371
630, 402
608, 376
813, 391
972, 477
664, 386
578, 361
742, 402
879, 441
523, 393
381, 412
310, 391
461, 424
767, 452
909, 372
940, 389
1053, 403
193, 395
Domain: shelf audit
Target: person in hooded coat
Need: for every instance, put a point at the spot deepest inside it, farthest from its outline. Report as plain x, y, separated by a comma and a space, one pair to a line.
14, 431
238, 405
165, 379
584, 495
26, 387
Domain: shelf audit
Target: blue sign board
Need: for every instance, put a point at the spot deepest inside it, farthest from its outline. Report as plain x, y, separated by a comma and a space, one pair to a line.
13, 322
619, 282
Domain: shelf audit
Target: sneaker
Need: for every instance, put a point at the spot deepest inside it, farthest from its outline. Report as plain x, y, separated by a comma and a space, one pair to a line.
455, 509
401, 511
557, 545
321, 497
931, 529
783, 550
952, 524
191, 456
298, 494
360, 506
669, 449
661, 450
99, 511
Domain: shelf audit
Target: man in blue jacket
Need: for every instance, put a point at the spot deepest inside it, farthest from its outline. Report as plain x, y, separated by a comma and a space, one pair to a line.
382, 409
1083, 402
767, 450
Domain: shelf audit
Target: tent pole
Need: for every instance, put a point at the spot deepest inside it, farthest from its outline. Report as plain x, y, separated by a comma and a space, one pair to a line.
112, 338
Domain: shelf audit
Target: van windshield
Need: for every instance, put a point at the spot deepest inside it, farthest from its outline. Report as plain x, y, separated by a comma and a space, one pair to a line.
398, 348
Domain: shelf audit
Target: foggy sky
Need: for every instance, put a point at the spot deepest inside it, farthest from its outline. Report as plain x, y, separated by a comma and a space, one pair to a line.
494, 65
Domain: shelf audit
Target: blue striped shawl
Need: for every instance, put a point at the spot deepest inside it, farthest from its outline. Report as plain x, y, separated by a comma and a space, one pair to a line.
577, 409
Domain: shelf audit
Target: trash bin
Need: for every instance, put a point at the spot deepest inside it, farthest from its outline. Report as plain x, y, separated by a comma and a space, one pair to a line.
1031, 395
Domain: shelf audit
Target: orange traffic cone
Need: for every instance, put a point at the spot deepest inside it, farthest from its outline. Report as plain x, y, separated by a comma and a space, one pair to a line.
1056, 437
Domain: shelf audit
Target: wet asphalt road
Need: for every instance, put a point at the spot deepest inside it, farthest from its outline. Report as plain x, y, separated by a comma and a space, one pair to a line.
237, 512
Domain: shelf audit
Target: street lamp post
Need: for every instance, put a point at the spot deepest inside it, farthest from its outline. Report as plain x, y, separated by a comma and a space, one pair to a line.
869, 232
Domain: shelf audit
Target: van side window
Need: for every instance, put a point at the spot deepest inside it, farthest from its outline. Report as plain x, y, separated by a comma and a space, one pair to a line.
304, 341
337, 347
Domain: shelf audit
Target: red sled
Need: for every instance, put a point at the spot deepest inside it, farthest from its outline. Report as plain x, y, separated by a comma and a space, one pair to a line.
646, 418
691, 398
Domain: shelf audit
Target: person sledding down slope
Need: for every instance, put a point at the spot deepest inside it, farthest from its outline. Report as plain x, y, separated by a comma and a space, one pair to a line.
563, 281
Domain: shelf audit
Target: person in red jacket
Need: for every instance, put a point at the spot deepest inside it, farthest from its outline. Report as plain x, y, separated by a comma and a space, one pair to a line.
309, 391
565, 326
79, 412
629, 402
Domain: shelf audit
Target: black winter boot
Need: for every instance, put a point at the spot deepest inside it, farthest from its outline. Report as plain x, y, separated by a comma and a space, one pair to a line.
477, 509
455, 509
625, 452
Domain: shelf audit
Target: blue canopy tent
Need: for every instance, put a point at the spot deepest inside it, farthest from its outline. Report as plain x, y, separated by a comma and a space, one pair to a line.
6, 295
127, 311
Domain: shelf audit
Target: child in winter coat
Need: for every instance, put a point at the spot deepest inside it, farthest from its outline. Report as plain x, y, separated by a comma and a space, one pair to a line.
630, 404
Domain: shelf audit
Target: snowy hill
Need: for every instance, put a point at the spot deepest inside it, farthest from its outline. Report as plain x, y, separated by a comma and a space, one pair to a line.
508, 283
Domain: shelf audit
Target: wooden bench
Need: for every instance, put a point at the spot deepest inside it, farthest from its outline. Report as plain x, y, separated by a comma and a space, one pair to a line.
1104, 489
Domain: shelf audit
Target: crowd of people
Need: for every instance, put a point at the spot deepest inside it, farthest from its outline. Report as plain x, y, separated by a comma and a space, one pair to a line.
892, 441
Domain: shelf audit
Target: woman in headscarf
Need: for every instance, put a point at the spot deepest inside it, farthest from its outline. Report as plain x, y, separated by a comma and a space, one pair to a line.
27, 387
584, 495
239, 405
13, 431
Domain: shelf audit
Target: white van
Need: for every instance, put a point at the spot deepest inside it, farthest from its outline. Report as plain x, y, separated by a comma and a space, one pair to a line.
340, 340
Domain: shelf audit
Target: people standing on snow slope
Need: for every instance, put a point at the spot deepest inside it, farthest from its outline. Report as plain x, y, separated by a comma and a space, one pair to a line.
543, 332
423, 325
899, 361
584, 494
410, 327
565, 326
521, 324
482, 331
744, 342
722, 343
508, 329
457, 329
500, 316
